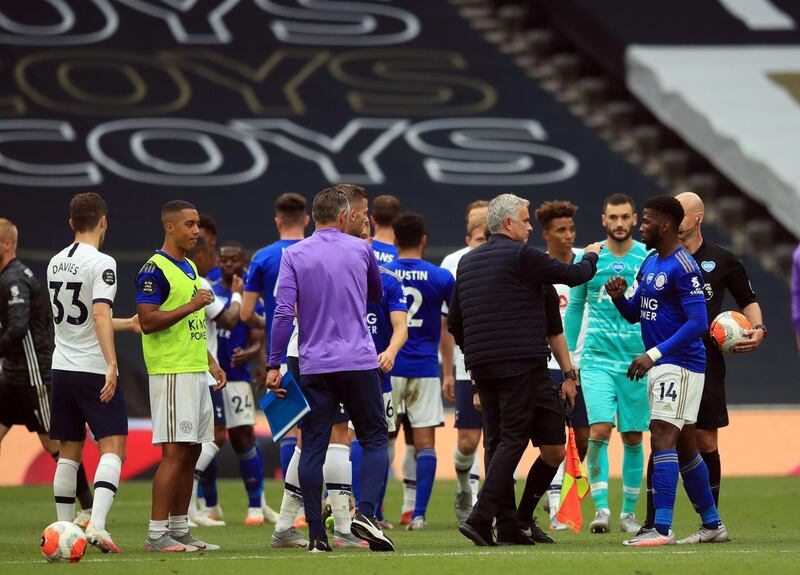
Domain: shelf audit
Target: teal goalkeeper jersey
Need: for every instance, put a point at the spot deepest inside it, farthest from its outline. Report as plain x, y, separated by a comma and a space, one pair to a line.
611, 342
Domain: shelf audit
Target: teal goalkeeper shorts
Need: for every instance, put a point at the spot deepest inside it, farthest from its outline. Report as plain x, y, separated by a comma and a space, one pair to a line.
613, 398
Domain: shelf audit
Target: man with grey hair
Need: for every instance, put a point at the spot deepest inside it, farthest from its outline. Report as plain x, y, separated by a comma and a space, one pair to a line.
339, 275
497, 317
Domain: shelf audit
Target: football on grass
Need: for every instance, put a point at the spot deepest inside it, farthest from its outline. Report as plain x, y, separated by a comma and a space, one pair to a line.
63, 542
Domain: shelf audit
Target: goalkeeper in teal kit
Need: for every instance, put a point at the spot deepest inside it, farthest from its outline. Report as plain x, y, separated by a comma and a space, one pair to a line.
610, 346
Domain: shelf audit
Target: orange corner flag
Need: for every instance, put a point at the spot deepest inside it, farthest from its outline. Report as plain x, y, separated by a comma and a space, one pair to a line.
574, 487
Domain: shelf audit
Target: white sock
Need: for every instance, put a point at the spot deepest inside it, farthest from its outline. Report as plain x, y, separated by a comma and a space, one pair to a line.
554, 493
178, 525
106, 481
475, 478
207, 455
157, 528
292, 496
409, 479
463, 464
338, 474
64, 482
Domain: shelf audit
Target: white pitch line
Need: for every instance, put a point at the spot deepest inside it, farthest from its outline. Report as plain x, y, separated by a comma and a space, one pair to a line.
361, 556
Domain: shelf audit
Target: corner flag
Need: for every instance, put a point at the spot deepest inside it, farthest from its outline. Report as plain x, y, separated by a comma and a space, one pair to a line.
574, 487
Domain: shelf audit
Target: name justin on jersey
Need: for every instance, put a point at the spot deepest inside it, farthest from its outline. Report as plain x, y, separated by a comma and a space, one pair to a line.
420, 275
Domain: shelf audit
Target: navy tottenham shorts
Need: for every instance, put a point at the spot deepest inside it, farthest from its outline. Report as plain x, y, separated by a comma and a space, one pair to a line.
218, 401
579, 416
75, 401
467, 417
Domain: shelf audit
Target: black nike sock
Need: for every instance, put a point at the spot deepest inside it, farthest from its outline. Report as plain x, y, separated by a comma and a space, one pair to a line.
649, 521
539, 479
714, 472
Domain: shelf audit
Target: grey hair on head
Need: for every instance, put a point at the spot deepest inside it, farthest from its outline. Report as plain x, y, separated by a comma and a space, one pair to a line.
328, 204
502, 207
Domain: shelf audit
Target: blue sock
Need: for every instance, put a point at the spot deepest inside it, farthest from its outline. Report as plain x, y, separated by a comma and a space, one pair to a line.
355, 461
665, 484
252, 471
695, 482
209, 482
287, 445
426, 473
200, 493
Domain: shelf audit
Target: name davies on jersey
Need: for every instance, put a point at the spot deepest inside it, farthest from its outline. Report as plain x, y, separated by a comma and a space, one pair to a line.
421, 275
68, 267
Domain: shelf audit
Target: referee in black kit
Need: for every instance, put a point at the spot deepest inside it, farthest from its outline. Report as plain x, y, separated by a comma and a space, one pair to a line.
497, 317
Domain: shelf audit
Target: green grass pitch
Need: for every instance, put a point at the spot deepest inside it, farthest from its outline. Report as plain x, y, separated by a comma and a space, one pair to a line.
761, 514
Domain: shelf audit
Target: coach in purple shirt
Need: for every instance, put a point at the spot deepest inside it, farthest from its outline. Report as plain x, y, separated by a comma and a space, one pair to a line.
330, 277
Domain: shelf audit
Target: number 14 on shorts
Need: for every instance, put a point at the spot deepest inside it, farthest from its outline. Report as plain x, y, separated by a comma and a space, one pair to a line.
666, 390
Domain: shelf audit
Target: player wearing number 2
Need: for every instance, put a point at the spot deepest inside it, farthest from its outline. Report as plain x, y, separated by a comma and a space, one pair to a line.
83, 282
670, 307
415, 377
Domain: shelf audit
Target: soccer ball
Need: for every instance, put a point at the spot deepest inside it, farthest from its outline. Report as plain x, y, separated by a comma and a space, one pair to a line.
728, 329
63, 542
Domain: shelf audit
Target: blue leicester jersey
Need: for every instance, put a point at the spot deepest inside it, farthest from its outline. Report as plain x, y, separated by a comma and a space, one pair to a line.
427, 288
378, 319
263, 278
384, 253
229, 340
672, 309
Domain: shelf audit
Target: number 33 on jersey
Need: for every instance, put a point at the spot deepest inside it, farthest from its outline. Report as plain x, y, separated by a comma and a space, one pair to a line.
78, 277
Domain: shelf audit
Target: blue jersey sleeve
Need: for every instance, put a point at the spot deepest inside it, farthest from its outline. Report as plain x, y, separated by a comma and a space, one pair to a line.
151, 285
689, 289
255, 278
395, 297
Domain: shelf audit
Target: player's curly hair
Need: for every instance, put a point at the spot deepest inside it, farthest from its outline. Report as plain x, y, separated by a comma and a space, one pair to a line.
551, 210
668, 207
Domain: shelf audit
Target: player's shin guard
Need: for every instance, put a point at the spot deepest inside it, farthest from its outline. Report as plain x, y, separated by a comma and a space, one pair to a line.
337, 473
355, 463
426, 473
287, 445
714, 472
695, 482
292, 496
554, 491
106, 482
597, 458
665, 484
463, 465
64, 488
632, 467
409, 479
251, 469
539, 479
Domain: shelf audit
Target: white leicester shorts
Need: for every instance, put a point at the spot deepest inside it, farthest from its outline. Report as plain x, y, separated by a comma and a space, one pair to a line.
388, 409
181, 408
675, 394
240, 407
421, 400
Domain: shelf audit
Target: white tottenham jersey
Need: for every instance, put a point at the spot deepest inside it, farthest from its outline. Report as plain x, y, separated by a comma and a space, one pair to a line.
216, 307
563, 301
77, 277
450, 263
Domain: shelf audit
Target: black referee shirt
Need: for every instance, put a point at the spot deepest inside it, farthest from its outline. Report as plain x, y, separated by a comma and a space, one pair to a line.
722, 270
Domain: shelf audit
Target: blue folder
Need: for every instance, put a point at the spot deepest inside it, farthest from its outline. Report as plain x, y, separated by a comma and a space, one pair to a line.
283, 414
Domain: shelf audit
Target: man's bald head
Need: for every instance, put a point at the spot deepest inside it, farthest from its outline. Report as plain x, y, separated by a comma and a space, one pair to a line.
692, 204
8, 232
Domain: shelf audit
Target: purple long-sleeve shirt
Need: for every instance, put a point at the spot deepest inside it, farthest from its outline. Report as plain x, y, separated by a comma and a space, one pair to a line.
796, 290
330, 276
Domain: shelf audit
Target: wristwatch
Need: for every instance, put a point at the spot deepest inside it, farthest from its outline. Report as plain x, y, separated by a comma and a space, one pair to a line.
271, 367
570, 375
762, 327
